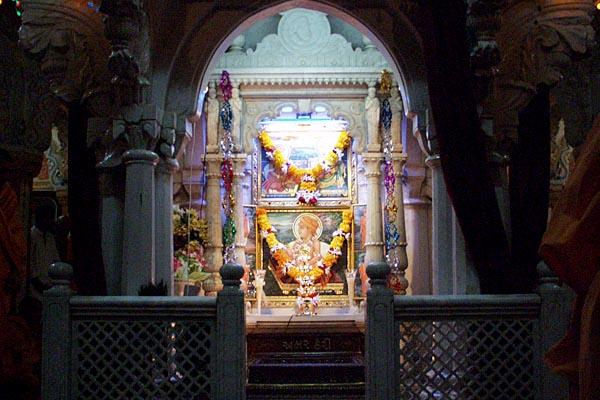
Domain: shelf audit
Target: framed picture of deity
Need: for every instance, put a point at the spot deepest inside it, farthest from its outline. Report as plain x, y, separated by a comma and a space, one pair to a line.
304, 237
304, 150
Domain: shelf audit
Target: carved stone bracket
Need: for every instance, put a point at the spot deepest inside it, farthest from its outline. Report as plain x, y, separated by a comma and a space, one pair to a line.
537, 40
67, 39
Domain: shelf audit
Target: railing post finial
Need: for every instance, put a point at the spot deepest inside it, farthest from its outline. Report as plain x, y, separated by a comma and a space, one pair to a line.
231, 275
378, 273
56, 334
60, 274
230, 375
554, 320
382, 344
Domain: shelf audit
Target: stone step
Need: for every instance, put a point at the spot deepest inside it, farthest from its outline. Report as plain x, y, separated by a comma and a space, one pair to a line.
306, 368
345, 391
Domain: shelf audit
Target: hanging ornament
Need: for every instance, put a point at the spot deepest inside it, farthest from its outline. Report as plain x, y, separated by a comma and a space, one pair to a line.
227, 146
392, 236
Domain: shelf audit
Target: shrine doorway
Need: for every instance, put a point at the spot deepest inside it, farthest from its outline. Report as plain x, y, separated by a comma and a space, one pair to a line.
274, 77
274, 73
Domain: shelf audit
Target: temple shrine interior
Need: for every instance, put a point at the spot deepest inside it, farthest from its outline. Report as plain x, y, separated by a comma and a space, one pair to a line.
299, 199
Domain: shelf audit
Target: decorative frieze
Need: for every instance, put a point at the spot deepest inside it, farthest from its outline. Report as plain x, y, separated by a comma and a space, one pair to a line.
303, 52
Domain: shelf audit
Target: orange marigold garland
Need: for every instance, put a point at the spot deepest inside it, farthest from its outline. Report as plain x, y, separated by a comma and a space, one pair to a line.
283, 261
306, 178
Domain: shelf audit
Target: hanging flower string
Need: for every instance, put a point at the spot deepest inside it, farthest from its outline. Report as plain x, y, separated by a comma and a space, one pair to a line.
226, 116
282, 259
392, 236
306, 178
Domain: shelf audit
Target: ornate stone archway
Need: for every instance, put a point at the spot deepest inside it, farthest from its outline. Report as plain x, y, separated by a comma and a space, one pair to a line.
211, 34
213, 31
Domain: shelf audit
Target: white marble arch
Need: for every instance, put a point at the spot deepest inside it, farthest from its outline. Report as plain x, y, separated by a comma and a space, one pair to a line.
192, 65
195, 64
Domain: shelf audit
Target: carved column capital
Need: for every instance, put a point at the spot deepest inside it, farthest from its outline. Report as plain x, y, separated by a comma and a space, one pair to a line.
372, 162
537, 40
239, 165
67, 38
136, 128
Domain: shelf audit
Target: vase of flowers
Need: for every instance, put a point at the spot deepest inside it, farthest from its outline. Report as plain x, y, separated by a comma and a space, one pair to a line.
189, 237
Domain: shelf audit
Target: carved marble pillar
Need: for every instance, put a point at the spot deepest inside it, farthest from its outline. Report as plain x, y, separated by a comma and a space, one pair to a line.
212, 119
239, 164
441, 230
397, 115
139, 220
374, 241
164, 221
236, 109
372, 111
214, 249
112, 204
135, 135
452, 272
399, 159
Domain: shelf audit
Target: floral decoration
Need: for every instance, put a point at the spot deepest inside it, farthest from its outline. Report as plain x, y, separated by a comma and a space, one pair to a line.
306, 178
283, 261
190, 233
227, 146
189, 262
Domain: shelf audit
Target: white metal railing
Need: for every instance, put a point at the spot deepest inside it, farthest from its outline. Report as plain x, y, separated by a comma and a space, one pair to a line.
472, 347
130, 347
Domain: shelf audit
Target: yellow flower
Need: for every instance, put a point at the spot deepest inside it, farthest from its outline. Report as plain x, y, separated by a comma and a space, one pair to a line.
331, 158
272, 240
337, 242
343, 140
315, 273
266, 140
293, 272
294, 172
317, 170
281, 256
309, 186
347, 216
278, 159
329, 259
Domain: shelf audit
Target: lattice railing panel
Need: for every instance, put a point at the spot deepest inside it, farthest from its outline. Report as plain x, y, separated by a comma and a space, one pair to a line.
145, 360
467, 359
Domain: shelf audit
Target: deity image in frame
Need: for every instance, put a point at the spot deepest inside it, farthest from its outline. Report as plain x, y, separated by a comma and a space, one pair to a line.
306, 233
304, 149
